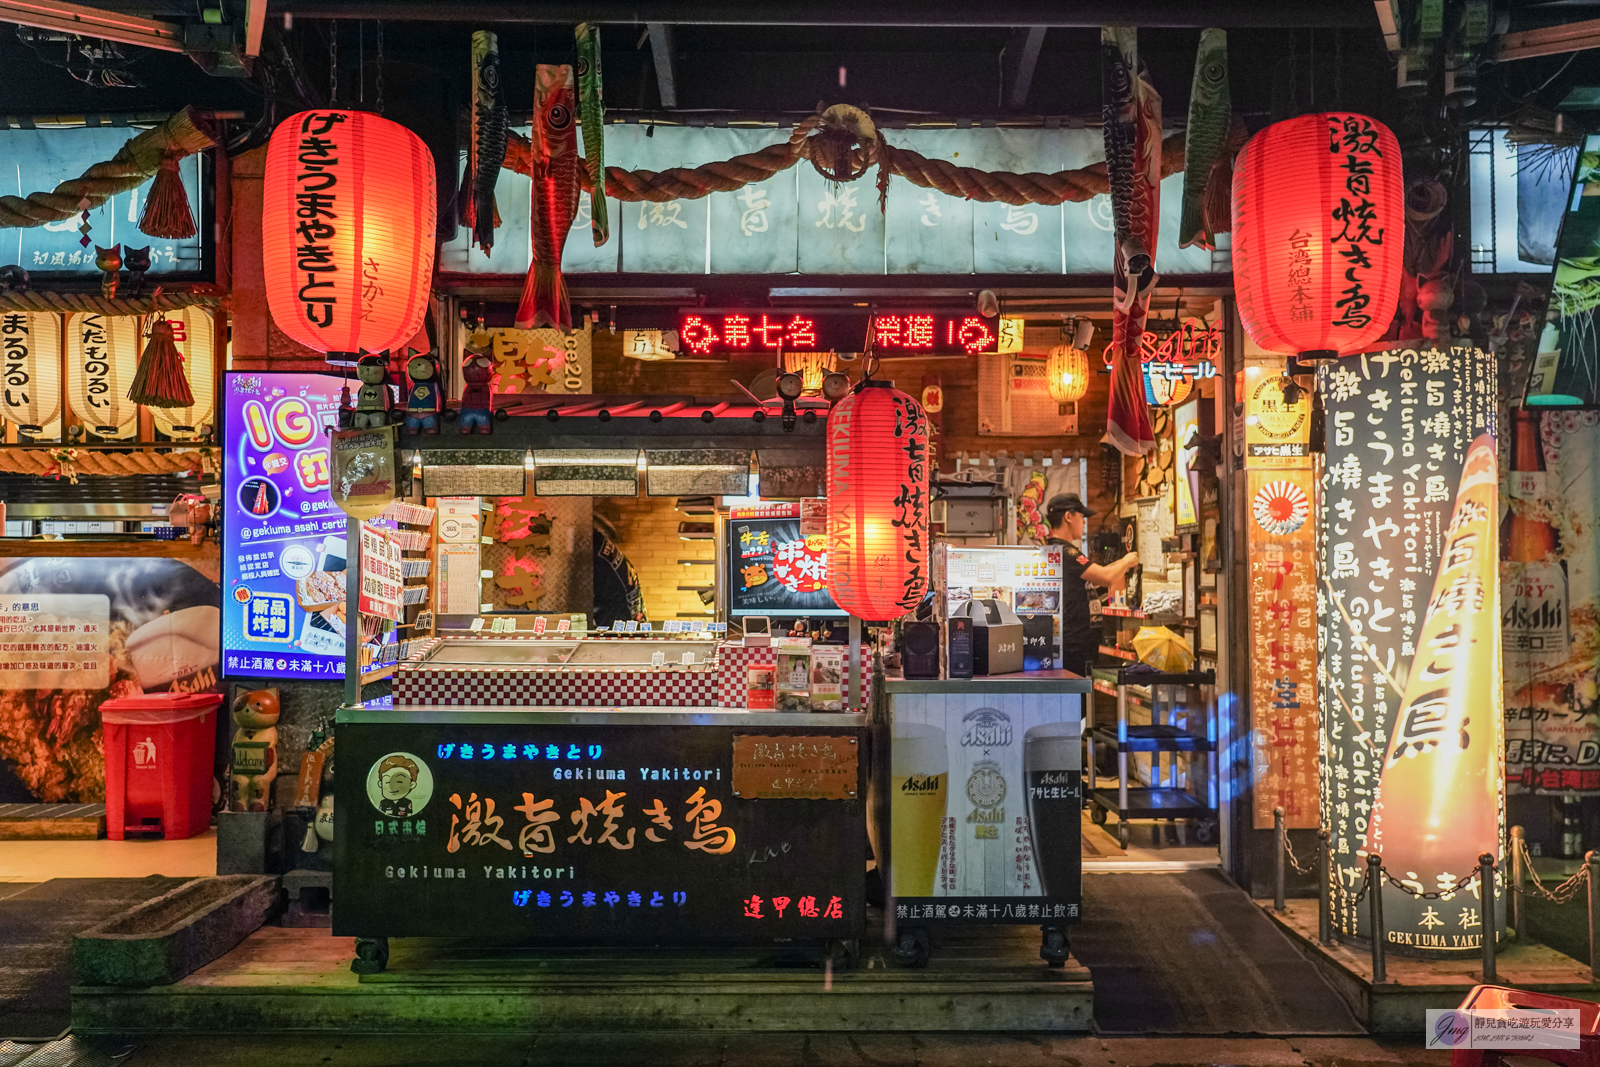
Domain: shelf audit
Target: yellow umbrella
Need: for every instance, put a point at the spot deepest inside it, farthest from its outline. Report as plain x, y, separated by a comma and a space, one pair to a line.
1163, 649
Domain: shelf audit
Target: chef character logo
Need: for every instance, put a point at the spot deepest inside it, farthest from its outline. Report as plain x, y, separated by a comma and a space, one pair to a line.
400, 785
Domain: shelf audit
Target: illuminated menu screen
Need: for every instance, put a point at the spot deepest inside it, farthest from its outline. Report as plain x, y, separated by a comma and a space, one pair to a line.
702, 333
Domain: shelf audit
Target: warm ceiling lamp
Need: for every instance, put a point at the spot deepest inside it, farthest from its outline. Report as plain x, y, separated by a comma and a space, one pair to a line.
1318, 233
812, 368
1067, 372
347, 216
877, 502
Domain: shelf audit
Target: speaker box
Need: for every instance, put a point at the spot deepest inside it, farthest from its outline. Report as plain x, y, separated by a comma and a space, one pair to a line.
919, 649
959, 629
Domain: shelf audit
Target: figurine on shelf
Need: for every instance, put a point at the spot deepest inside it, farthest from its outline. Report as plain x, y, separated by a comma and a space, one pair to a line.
255, 750
372, 399
475, 396
422, 402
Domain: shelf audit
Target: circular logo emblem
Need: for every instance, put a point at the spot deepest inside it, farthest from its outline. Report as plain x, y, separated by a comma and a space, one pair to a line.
986, 786
1280, 508
400, 785
1271, 417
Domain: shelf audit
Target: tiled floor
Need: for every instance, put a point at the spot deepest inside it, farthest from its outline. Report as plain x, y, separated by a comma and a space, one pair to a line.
1103, 855
39, 861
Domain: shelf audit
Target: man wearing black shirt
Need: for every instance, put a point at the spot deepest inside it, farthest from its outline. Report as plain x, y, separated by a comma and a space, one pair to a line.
1080, 641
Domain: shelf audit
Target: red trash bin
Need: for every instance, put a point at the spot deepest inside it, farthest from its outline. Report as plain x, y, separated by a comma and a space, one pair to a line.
160, 750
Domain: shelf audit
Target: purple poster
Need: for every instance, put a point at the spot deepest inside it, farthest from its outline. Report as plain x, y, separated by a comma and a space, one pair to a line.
283, 538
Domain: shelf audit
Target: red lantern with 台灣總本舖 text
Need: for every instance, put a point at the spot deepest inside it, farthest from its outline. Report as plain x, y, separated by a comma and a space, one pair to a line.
347, 230
1318, 234
877, 502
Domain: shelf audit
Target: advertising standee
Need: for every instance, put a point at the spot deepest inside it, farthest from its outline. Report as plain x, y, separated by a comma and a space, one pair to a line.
283, 538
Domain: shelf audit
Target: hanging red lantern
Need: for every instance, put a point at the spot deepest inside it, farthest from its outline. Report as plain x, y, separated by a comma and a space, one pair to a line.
877, 502
347, 236
1318, 234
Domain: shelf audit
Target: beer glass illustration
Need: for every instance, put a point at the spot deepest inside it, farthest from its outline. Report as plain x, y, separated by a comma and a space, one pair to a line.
919, 770
1052, 772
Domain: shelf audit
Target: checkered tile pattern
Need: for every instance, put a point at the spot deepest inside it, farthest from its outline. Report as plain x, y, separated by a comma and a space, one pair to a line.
515, 687
734, 659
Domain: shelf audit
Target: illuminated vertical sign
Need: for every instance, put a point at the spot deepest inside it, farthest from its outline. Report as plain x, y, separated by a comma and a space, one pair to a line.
1401, 567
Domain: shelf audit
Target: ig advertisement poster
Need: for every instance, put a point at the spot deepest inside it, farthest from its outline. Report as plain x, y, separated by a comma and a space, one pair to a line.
283, 538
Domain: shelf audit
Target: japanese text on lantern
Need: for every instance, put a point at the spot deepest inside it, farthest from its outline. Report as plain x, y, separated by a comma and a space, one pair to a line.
14, 332
911, 430
1355, 138
315, 201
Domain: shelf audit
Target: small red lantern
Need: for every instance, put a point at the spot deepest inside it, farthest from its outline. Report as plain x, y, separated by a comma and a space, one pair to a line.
1318, 234
877, 502
347, 238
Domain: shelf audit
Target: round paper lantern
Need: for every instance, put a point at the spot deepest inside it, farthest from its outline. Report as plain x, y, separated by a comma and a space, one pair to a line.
195, 338
102, 358
347, 237
1318, 234
1067, 372
30, 348
877, 502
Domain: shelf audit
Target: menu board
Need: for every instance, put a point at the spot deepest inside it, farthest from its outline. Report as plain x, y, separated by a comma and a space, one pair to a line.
1404, 770
283, 538
1026, 578
775, 569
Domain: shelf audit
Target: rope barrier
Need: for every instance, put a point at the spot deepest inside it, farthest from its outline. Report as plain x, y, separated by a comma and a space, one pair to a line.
69, 463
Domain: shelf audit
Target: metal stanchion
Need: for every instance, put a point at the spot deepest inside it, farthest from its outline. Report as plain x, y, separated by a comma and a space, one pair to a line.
1324, 891
1518, 877
1281, 838
1375, 901
1486, 914
1591, 860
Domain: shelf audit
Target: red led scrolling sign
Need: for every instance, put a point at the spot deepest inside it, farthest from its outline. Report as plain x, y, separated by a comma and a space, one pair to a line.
704, 333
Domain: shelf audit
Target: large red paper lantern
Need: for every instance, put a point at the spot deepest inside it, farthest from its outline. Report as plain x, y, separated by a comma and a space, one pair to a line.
877, 502
347, 238
1318, 234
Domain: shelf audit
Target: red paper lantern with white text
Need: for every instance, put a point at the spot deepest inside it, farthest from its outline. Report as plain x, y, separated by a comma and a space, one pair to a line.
1318, 234
347, 235
877, 503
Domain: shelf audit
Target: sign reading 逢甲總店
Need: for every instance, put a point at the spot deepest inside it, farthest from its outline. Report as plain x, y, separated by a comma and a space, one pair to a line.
797, 221
1409, 670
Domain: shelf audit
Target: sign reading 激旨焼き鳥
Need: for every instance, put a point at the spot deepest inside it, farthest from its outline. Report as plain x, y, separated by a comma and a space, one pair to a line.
587, 831
1400, 507
1283, 646
54, 641
799, 768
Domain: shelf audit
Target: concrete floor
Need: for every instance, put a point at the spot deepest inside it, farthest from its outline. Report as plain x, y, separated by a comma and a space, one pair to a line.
40, 861
777, 1050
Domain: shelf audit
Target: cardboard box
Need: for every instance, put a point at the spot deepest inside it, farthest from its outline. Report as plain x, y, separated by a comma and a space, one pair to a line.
996, 636
1038, 642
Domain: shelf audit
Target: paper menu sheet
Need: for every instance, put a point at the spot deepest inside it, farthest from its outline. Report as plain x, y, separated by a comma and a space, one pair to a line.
1025, 578
459, 575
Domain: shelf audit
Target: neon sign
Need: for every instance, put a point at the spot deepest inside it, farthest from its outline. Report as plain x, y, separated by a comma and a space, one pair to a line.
704, 333
1172, 362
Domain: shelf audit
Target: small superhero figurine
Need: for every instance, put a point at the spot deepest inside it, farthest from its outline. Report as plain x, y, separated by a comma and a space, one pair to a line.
476, 371
372, 399
422, 402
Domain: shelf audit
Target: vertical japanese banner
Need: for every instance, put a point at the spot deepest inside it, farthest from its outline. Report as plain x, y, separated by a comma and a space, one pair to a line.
382, 583
1403, 732
1283, 647
1550, 580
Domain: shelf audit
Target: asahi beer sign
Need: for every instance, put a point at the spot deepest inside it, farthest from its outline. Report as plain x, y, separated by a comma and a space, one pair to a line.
984, 806
1409, 642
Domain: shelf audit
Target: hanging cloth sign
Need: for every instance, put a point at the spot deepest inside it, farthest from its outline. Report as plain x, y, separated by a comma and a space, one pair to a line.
382, 584
363, 476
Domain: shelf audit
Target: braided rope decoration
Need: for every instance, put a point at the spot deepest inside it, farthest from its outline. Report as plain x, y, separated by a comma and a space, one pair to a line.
726, 176
135, 163
70, 462
34, 300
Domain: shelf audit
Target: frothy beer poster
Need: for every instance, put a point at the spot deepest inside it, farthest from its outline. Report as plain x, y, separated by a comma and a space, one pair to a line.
984, 802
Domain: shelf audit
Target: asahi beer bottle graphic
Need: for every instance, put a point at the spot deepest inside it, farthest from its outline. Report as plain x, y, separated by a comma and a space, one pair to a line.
1052, 774
988, 831
919, 771
1534, 624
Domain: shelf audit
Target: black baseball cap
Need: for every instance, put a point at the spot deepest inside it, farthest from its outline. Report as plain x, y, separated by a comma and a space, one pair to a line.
1064, 502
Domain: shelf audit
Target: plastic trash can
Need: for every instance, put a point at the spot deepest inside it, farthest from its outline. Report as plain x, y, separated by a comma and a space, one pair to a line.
159, 750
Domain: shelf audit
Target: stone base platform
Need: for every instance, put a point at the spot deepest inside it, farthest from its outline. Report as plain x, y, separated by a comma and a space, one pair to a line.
285, 980
1399, 1004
